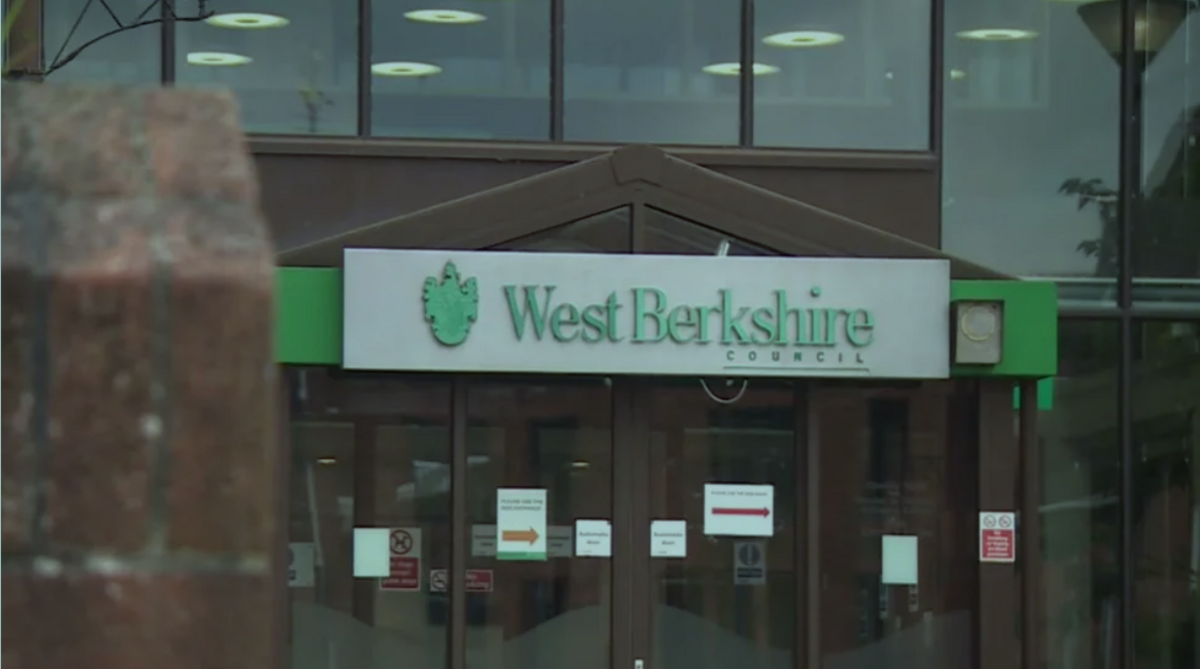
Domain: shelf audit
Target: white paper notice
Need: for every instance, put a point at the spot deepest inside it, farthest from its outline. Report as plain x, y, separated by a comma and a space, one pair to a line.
301, 564
899, 559
558, 541
372, 552
668, 538
521, 524
593, 538
483, 540
738, 510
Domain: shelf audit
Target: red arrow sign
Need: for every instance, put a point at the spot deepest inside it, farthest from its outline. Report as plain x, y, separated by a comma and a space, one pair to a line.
720, 511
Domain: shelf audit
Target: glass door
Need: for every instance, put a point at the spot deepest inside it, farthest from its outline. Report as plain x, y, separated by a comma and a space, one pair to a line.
715, 543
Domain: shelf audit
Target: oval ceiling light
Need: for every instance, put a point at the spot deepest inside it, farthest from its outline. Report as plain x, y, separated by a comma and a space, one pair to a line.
799, 39
216, 58
405, 69
448, 16
997, 34
246, 20
957, 74
734, 69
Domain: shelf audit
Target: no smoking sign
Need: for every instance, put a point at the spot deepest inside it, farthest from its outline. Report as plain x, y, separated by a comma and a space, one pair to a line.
997, 536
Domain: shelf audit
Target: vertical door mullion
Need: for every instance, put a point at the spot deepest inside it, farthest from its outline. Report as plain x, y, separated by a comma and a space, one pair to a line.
459, 526
622, 609
1030, 523
643, 600
806, 650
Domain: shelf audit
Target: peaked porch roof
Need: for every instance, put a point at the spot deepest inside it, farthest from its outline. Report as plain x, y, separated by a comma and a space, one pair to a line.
633, 175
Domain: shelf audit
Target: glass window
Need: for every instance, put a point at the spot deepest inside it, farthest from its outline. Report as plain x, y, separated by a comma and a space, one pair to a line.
1166, 496
368, 453
842, 74
463, 69
672, 235
606, 232
1030, 143
651, 72
128, 57
292, 63
556, 436
1166, 237
1080, 511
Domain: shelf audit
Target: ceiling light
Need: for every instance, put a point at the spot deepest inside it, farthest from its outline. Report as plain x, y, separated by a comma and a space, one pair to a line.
797, 39
997, 34
327, 460
405, 69
957, 74
580, 464
216, 58
454, 16
246, 20
734, 69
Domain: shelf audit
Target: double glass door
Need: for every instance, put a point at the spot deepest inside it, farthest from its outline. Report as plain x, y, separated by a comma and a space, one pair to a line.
632, 578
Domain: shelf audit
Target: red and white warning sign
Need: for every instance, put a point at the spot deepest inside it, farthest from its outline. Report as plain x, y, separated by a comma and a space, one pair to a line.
997, 536
404, 555
478, 580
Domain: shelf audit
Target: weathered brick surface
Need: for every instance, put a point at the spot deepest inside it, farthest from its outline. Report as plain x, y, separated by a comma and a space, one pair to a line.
140, 453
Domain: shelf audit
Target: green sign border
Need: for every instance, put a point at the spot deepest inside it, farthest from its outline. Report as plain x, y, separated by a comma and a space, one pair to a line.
309, 322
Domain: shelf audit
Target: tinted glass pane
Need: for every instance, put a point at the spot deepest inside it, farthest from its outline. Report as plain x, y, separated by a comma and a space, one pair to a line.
1166, 496
473, 69
290, 62
608, 232
670, 234
1166, 238
368, 454
635, 71
1080, 584
843, 74
1031, 133
551, 613
129, 57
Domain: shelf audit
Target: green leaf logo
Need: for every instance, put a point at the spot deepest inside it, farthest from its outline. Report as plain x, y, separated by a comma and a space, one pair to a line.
450, 306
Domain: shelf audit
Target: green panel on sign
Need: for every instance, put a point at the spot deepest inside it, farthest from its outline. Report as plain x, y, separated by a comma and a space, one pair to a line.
526, 557
308, 321
1030, 326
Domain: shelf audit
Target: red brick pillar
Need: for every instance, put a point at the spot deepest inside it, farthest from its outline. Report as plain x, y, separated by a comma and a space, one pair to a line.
140, 460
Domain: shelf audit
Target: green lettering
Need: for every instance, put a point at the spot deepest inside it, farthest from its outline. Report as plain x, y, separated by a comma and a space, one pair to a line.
611, 305
642, 311
702, 316
530, 310
593, 323
733, 330
782, 315
860, 327
678, 320
563, 320
764, 324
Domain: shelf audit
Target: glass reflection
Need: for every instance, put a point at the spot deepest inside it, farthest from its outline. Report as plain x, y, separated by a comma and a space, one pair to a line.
1080, 511
291, 63
464, 69
669, 234
1031, 133
635, 71
552, 614
852, 74
128, 57
607, 232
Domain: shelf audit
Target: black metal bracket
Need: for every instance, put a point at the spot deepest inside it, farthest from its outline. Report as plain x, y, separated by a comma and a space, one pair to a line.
166, 14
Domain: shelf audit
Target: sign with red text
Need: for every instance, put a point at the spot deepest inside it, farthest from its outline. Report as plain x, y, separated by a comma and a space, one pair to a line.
404, 556
739, 510
478, 580
997, 536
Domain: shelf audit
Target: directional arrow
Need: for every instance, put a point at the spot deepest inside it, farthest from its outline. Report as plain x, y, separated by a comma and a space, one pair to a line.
529, 535
722, 511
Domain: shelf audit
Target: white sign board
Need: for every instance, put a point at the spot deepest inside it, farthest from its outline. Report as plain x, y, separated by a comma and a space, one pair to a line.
301, 564
454, 311
668, 538
997, 536
558, 540
521, 524
593, 538
749, 563
483, 540
739, 510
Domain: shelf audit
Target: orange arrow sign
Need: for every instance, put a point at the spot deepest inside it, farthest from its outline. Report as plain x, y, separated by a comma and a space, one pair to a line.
529, 535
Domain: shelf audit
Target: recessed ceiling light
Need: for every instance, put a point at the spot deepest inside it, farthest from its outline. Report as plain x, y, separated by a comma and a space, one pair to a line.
444, 16
405, 69
957, 74
734, 69
327, 460
216, 58
246, 20
997, 34
798, 39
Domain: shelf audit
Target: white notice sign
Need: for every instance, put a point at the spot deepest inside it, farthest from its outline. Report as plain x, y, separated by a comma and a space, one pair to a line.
749, 563
483, 540
521, 524
738, 510
593, 538
558, 541
301, 569
668, 538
